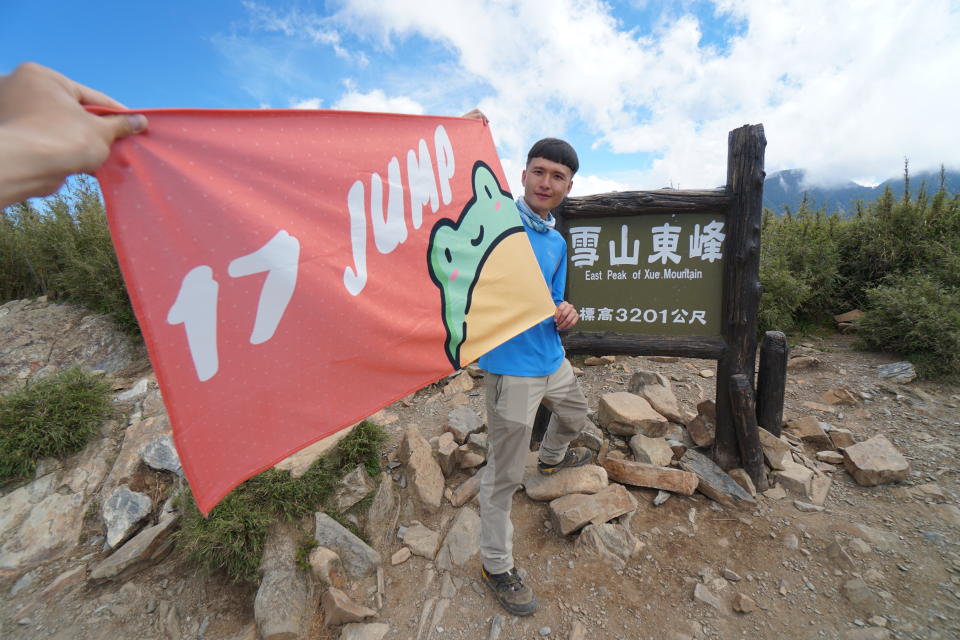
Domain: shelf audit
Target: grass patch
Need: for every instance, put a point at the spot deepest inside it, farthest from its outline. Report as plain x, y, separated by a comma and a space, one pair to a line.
55, 416
231, 539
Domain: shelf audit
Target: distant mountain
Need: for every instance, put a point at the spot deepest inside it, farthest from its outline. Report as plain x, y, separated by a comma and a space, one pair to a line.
786, 188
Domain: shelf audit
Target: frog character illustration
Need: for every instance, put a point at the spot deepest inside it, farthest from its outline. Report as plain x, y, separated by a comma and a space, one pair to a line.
479, 262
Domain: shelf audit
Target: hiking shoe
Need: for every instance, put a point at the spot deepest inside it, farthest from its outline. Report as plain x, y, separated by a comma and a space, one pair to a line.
576, 457
509, 590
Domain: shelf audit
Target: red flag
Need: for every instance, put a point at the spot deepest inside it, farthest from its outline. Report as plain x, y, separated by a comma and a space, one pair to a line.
295, 271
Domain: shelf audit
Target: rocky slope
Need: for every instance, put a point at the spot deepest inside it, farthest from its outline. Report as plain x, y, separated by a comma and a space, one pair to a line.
86, 552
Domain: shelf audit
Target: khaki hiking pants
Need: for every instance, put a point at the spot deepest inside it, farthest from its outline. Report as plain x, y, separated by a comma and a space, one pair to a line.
512, 403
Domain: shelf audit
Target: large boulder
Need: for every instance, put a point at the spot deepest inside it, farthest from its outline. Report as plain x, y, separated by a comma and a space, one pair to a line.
656, 389
875, 461
283, 608
423, 471
627, 414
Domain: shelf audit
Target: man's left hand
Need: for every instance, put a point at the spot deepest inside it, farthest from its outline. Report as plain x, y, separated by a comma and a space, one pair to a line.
565, 316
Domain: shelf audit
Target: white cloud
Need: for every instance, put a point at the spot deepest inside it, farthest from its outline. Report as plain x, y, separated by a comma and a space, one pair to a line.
587, 184
378, 101
307, 103
843, 89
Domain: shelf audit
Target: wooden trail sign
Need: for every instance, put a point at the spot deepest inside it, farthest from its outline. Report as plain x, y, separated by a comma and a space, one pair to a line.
674, 273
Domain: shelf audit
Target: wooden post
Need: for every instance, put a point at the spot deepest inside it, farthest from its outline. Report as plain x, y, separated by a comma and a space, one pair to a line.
745, 423
772, 381
745, 153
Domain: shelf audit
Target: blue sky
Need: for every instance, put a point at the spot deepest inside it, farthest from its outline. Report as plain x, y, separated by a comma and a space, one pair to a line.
645, 90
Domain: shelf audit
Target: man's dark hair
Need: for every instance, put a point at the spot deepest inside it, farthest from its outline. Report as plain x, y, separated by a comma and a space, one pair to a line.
555, 150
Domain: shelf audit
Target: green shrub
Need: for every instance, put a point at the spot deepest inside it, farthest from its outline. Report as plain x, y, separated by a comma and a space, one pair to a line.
54, 416
917, 317
61, 247
231, 539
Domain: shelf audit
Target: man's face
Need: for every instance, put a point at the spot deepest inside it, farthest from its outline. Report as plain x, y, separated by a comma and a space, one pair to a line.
545, 184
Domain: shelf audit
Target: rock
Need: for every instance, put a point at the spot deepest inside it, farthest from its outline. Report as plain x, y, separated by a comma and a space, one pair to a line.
122, 511
627, 414
842, 395
422, 540
41, 337
882, 540
875, 461
838, 556
841, 438
473, 452
590, 437
743, 604
830, 457
458, 383
327, 567
704, 595
127, 464
133, 393
357, 557
861, 596
462, 541
16, 506
703, 427
808, 429
817, 406
461, 422
742, 478
90, 468
731, 575
657, 390
423, 471
653, 451
466, 491
589, 478
796, 478
613, 543
401, 556
803, 362
338, 608
948, 513
369, 631
806, 507
61, 583
47, 528
776, 451
870, 633
819, 489
902, 372
661, 497
446, 450
775, 493
161, 454
298, 463
639, 474
714, 482
571, 512
577, 631
284, 604
599, 361
144, 549
380, 515
496, 628
352, 488
706, 373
